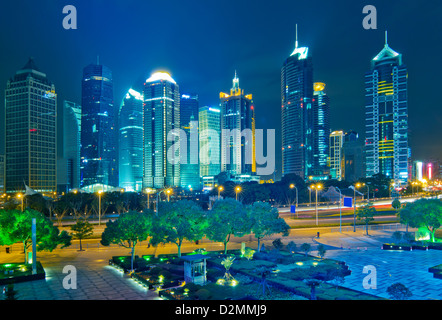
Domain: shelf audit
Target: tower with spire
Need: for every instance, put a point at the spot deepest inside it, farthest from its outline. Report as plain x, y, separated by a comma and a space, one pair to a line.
297, 112
237, 150
386, 109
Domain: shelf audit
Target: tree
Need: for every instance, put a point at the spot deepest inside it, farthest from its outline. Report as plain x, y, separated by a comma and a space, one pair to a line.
398, 291
423, 213
321, 251
305, 247
396, 205
291, 247
128, 230
82, 229
312, 283
266, 221
178, 221
366, 213
227, 218
16, 226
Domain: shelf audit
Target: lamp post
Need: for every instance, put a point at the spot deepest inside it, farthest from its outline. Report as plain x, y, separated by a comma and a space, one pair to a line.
220, 188
293, 186
148, 191
21, 197
340, 210
168, 191
99, 206
237, 190
357, 185
316, 187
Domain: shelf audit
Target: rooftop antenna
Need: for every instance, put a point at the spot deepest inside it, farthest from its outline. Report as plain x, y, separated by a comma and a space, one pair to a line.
296, 42
98, 59
386, 37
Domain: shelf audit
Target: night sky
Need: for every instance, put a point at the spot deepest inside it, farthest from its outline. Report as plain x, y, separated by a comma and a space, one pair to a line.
202, 43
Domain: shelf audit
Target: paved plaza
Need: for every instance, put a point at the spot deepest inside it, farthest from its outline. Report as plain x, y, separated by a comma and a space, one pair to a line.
96, 280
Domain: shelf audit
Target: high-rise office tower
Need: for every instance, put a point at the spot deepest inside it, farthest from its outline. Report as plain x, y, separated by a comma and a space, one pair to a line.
161, 121
189, 166
98, 128
30, 131
353, 157
71, 143
297, 113
321, 130
336, 159
209, 141
130, 138
387, 116
236, 130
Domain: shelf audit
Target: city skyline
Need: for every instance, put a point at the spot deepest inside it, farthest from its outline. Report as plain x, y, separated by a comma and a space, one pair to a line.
346, 89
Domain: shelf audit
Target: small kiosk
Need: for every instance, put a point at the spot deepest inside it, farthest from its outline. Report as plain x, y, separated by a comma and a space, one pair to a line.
195, 268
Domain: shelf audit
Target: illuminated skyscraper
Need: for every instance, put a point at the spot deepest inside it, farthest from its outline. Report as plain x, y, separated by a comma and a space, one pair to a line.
71, 143
161, 115
236, 130
98, 128
209, 138
321, 130
297, 113
189, 166
387, 116
30, 131
336, 156
130, 162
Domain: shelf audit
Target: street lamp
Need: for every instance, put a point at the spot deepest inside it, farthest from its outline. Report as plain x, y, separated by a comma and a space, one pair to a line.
340, 210
20, 196
357, 185
237, 190
220, 188
316, 187
100, 192
148, 191
292, 186
168, 191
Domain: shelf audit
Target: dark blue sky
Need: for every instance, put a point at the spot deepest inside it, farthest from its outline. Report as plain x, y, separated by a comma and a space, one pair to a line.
202, 43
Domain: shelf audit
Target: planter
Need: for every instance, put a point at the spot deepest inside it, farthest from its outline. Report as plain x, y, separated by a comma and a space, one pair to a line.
396, 247
436, 271
419, 247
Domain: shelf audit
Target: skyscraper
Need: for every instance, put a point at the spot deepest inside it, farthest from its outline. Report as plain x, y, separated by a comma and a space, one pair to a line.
209, 138
98, 128
297, 113
71, 143
189, 166
130, 162
161, 116
236, 130
321, 130
30, 131
336, 163
387, 116
353, 157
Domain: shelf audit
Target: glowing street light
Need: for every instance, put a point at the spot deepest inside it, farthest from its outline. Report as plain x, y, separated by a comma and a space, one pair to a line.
169, 192
357, 185
220, 188
148, 191
237, 190
293, 186
100, 192
20, 196
316, 188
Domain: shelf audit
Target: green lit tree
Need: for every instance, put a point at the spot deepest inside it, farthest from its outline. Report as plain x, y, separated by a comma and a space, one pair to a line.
128, 230
423, 213
178, 221
227, 218
16, 226
366, 213
81, 230
266, 221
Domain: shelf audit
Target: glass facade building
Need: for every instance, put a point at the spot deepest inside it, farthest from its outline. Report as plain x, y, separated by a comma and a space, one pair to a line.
321, 130
209, 141
237, 142
71, 143
130, 162
30, 131
98, 128
189, 167
297, 113
161, 116
387, 117
336, 159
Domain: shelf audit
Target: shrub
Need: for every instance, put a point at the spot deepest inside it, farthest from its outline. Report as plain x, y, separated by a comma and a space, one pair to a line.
291, 247
277, 243
202, 294
192, 287
397, 236
398, 291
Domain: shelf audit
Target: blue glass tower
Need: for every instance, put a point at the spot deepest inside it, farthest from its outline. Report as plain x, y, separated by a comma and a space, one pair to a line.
98, 132
386, 120
130, 120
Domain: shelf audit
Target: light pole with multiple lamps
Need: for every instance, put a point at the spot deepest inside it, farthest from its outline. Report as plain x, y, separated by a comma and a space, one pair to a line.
316, 187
